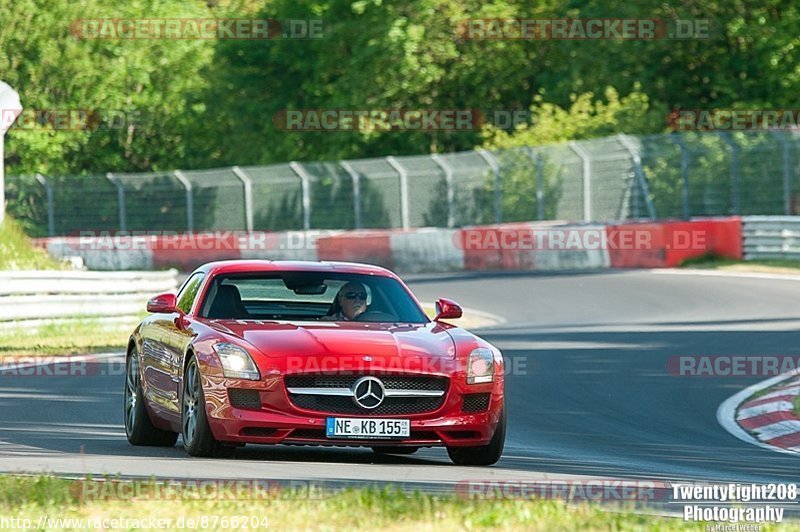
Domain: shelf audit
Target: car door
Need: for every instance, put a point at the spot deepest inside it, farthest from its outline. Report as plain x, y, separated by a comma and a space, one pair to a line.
178, 334
158, 359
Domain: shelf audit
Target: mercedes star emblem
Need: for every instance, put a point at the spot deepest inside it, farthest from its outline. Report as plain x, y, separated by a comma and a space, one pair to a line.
368, 392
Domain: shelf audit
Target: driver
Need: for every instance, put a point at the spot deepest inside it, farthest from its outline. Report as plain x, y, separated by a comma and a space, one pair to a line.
350, 302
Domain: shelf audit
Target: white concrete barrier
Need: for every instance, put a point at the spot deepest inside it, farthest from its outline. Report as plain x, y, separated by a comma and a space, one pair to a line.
134, 253
57, 294
426, 250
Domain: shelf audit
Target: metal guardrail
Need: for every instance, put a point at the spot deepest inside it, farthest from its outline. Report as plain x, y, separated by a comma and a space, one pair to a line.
27, 296
771, 237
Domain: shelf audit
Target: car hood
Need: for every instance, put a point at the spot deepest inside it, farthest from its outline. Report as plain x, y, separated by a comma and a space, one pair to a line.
378, 340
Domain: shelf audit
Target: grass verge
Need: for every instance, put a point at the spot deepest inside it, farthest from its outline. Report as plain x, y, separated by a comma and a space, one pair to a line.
796, 406
713, 262
74, 337
17, 252
352, 509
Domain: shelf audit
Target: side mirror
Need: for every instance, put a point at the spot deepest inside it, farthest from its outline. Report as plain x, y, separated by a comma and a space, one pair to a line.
447, 309
163, 304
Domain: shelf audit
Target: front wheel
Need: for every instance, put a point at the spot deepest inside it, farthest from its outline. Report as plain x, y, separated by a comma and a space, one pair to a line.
485, 454
197, 437
138, 428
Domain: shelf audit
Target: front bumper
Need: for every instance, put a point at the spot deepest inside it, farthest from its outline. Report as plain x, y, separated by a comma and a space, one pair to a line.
274, 419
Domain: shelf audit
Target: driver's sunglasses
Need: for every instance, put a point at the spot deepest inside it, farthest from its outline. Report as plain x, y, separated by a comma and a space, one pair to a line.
355, 295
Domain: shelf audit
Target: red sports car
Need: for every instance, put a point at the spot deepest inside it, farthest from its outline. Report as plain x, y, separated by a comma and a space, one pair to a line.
311, 353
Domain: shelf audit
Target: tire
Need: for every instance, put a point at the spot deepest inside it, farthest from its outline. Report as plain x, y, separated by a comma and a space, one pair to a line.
484, 455
139, 429
198, 439
395, 450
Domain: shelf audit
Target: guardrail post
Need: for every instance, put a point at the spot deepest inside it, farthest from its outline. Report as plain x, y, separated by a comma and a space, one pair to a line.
120, 200
48, 191
735, 177
493, 164
356, 192
787, 172
685, 161
403, 175
305, 184
538, 164
189, 199
248, 196
639, 171
587, 179
451, 193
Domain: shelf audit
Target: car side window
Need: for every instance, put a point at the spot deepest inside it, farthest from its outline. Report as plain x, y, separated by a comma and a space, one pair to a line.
189, 292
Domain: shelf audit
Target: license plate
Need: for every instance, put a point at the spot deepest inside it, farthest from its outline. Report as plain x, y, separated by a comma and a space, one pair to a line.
367, 428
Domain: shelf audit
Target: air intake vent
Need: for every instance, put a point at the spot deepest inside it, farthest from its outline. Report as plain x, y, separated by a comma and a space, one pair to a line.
245, 398
475, 402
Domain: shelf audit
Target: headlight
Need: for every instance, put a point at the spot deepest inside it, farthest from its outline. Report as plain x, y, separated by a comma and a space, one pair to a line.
480, 366
236, 362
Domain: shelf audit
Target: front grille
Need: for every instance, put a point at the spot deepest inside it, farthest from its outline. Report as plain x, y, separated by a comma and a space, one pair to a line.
398, 382
475, 402
391, 406
244, 398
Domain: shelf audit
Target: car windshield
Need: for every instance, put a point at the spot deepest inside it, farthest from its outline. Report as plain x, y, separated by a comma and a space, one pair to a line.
322, 296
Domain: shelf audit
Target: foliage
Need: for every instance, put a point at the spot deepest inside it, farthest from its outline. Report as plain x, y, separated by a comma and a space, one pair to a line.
208, 103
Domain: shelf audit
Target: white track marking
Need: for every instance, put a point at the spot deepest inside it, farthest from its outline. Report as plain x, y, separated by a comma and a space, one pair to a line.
766, 408
726, 413
716, 273
776, 430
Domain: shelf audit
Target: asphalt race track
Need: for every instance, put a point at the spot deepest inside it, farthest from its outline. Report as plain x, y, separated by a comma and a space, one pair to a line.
590, 394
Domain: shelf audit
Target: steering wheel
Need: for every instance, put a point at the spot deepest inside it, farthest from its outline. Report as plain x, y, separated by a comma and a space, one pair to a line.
375, 316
